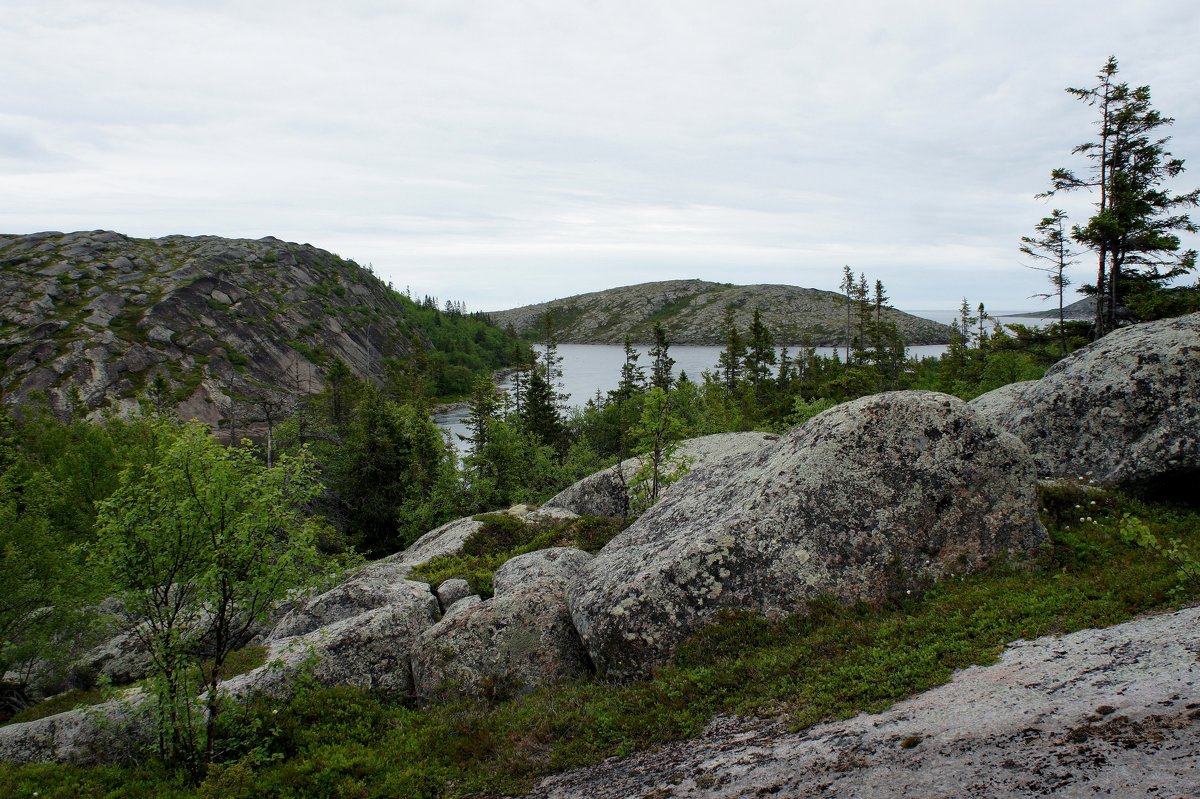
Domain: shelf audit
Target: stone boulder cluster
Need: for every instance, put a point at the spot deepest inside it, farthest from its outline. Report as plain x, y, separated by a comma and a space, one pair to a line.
874, 498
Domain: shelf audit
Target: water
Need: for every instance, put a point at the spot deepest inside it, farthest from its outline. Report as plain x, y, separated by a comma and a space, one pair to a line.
591, 368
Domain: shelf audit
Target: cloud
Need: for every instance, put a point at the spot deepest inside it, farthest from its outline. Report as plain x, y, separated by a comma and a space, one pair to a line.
503, 153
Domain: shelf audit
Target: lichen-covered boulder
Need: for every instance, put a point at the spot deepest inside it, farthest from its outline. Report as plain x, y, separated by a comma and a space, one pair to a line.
115, 731
445, 540
1122, 411
369, 650
872, 498
558, 565
499, 647
605, 493
450, 591
373, 586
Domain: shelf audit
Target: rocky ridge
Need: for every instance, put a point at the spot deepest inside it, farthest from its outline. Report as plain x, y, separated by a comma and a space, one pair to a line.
693, 312
90, 318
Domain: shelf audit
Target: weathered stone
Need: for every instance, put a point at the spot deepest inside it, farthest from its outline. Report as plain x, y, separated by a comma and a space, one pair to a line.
461, 605
1107, 712
370, 650
450, 537
104, 308
872, 498
445, 540
557, 566
122, 659
605, 493
376, 585
451, 591
1122, 411
502, 646
111, 732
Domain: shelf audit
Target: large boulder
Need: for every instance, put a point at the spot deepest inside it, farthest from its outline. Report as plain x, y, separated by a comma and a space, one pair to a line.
605, 493
1122, 411
870, 499
558, 565
368, 650
373, 586
115, 731
519, 639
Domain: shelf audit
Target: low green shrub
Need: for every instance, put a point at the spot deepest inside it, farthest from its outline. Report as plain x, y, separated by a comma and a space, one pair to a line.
829, 663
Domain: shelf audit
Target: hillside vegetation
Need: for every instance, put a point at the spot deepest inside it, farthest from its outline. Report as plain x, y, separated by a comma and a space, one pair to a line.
92, 318
693, 312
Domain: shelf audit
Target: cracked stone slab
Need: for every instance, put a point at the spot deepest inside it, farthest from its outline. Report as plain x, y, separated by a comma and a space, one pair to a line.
1109, 712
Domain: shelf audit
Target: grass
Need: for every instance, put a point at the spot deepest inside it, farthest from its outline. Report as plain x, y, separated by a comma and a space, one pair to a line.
829, 664
58, 704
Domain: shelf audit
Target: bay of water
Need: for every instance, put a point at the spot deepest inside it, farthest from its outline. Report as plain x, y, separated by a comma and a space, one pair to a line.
591, 368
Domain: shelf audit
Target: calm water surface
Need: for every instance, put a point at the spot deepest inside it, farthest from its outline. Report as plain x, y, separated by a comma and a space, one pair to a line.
591, 368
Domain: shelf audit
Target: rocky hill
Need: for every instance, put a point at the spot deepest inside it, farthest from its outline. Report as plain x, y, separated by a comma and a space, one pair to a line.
90, 318
693, 312
1083, 310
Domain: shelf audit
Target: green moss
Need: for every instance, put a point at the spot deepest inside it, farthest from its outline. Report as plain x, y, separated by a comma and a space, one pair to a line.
503, 537
58, 704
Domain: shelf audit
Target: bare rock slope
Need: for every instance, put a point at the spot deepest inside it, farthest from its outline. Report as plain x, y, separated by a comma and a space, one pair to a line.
1112, 712
90, 318
693, 312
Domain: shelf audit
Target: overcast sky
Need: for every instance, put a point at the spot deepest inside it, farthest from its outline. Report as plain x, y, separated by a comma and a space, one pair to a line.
507, 152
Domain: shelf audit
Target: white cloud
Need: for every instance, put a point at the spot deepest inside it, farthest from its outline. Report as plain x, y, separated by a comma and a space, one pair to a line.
509, 152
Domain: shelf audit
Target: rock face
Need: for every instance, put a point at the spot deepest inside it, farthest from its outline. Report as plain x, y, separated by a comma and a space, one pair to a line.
1113, 712
693, 312
519, 639
104, 313
374, 586
872, 498
606, 493
369, 650
108, 733
1121, 411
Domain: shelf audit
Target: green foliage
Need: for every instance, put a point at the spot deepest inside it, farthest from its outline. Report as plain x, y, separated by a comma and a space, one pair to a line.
1135, 531
803, 409
201, 542
503, 537
68, 700
656, 440
829, 663
391, 473
1135, 229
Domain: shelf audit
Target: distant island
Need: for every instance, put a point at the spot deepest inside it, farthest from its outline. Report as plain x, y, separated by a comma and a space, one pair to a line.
693, 312
1084, 309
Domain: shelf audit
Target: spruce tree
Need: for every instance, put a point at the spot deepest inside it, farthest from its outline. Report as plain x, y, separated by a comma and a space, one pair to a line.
1052, 254
660, 370
1134, 229
760, 357
729, 362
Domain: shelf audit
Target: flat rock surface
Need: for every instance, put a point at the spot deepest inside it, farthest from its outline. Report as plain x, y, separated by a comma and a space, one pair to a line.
1112, 712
